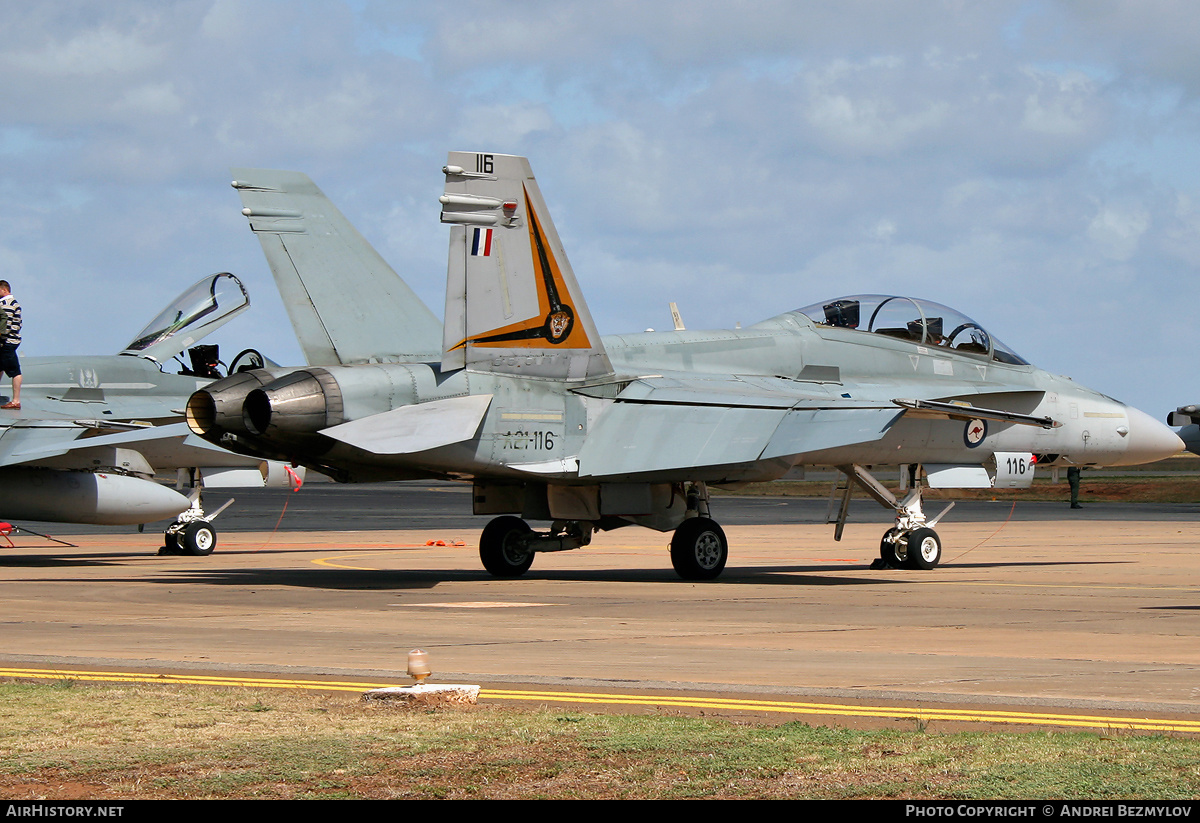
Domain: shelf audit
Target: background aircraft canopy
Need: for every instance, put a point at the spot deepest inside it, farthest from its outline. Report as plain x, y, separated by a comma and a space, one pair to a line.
912, 319
212, 302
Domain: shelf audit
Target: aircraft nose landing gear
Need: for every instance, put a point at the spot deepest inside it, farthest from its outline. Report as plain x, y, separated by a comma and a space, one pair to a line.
911, 543
918, 549
193, 533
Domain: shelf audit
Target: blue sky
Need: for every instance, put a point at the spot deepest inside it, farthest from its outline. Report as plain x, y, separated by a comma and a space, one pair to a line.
1032, 164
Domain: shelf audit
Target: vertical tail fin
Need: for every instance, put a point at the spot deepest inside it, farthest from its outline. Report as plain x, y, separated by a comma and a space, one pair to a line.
345, 302
512, 303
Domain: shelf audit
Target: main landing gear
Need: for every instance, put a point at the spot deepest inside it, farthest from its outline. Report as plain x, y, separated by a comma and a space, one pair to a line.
192, 533
911, 543
699, 549
508, 543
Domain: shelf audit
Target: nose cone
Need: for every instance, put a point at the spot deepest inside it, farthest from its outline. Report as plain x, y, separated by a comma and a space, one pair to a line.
1148, 440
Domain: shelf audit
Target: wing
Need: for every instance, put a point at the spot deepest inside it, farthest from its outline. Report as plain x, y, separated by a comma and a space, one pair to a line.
88, 445
664, 424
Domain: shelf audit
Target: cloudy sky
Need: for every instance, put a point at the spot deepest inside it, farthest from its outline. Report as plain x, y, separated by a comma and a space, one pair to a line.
1033, 164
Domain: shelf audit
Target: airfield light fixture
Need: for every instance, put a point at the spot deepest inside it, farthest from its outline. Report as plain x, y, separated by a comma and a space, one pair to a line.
418, 665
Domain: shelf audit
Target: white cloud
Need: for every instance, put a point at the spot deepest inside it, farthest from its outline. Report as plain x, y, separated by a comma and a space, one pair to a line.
1117, 229
150, 99
737, 158
86, 54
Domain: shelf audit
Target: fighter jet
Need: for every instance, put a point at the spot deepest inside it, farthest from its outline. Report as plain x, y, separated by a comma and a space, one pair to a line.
1189, 418
551, 422
93, 430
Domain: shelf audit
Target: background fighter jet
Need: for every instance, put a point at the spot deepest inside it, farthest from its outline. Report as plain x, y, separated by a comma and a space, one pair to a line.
551, 422
92, 430
1189, 418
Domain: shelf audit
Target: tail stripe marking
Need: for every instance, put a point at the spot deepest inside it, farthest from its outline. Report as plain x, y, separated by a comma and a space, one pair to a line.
555, 324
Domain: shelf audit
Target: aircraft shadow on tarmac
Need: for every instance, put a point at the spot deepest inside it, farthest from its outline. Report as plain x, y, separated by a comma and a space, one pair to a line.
42, 561
382, 580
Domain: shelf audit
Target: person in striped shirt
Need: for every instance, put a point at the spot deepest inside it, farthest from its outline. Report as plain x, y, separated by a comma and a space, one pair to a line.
10, 338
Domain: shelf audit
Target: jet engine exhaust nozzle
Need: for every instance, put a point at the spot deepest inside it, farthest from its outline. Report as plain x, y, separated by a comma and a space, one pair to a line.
217, 408
302, 402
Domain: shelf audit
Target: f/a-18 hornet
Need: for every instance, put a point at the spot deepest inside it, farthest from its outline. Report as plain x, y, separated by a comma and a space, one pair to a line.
1188, 417
550, 422
93, 431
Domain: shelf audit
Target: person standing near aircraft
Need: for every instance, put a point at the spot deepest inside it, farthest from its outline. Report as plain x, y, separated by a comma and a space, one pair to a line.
1073, 480
9, 340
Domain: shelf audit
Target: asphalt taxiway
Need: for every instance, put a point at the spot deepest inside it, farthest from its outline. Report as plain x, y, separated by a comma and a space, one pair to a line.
1036, 608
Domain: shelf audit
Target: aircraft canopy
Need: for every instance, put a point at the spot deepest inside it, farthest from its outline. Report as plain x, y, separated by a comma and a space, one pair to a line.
913, 319
212, 302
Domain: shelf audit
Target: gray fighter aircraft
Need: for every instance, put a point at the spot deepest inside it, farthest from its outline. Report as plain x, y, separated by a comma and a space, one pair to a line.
549, 421
1189, 418
91, 430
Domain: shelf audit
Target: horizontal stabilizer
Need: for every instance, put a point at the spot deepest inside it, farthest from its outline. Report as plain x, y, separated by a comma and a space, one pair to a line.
345, 302
415, 428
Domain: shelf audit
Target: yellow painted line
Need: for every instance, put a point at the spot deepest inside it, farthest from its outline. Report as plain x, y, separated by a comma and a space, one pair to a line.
1089, 587
473, 604
329, 560
655, 701
896, 712
187, 679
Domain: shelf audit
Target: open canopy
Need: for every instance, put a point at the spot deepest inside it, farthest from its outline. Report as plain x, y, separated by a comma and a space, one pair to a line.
912, 319
212, 302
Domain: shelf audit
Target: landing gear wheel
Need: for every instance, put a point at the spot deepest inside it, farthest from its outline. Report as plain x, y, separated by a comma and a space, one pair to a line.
924, 549
889, 549
170, 544
500, 547
198, 538
699, 549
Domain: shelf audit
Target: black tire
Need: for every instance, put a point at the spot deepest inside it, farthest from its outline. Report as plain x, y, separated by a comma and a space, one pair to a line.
924, 550
500, 550
889, 549
198, 538
171, 542
699, 549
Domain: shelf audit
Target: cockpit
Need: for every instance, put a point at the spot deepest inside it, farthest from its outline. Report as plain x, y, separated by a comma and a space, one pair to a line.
917, 321
210, 303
